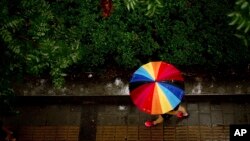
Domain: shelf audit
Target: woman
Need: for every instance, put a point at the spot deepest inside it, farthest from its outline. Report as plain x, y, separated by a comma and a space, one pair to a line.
179, 111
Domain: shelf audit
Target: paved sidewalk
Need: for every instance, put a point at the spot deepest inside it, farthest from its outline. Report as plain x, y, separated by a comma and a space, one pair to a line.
208, 120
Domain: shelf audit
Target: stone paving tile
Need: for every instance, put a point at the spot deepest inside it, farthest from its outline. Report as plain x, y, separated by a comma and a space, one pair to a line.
248, 107
174, 121
216, 117
215, 106
111, 120
109, 109
228, 118
46, 115
133, 120
100, 119
228, 107
171, 122
193, 118
192, 106
205, 119
248, 118
122, 120
239, 107
133, 110
182, 122
55, 114
39, 116
88, 119
240, 117
144, 117
201, 113
204, 107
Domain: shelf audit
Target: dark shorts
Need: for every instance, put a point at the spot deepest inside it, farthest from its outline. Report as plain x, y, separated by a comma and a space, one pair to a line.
167, 116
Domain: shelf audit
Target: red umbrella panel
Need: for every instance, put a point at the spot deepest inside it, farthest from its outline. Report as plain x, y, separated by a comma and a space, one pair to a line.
156, 87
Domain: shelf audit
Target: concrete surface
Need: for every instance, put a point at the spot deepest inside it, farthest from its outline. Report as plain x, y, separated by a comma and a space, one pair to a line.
91, 115
205, 83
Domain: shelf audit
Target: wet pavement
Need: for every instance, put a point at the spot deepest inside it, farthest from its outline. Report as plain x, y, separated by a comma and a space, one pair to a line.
116, 118
196, 83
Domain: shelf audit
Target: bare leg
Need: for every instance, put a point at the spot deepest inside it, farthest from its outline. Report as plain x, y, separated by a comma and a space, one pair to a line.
180, 112
180, 109
183, 110
158, 120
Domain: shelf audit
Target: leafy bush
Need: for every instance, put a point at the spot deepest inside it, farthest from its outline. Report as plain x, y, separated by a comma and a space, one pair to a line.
240, 18
45, 37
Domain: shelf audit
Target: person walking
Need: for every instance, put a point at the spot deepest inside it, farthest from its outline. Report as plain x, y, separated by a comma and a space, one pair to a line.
179, 111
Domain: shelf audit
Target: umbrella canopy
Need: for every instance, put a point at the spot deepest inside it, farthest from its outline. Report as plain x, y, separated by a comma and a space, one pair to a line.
156, 87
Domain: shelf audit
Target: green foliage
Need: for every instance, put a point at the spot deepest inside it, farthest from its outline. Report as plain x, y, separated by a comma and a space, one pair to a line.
131, 4
152, 6
6, 96
40, 38
53, 38
240, 18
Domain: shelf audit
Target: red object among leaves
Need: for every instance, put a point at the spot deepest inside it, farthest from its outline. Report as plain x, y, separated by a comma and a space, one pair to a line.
106, 7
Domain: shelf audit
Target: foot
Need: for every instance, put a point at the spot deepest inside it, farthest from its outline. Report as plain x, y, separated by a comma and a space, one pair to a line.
182, 115
149, 123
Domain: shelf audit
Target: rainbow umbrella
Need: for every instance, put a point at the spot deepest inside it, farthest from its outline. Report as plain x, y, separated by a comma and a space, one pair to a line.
156, 87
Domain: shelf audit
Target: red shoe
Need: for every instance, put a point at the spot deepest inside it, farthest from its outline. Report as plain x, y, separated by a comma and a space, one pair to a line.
181, 115
149, 123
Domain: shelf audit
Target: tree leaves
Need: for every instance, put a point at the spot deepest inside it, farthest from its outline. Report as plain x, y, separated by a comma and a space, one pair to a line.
130, 4
50, 37
240, 18
151, 6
